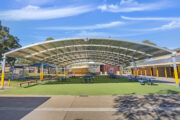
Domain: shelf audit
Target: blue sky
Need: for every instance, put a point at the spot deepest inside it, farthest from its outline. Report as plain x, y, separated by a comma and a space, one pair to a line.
34, 20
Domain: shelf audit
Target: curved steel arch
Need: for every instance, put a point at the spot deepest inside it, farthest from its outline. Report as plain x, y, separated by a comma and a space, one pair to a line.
39, 51
84, 45
71, 55
116, 61
96, 60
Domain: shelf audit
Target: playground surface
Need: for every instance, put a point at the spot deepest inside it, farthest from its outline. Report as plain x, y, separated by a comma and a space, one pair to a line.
130, 107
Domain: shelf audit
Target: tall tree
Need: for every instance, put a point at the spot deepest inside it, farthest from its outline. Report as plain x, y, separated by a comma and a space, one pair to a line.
7, 43
21, 61
149, 42
49, 38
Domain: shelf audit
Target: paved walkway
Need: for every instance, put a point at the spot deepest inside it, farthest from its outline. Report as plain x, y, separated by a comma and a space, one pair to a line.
131, 107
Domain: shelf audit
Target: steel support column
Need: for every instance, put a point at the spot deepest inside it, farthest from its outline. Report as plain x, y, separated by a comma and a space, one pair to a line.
121, 70
175, 69
3, 71
157, 72
165, 72
41, 72
151, 72
56, 71
134, 68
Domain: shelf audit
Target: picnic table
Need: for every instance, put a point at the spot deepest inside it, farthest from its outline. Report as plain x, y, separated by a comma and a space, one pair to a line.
87, 79
143, 81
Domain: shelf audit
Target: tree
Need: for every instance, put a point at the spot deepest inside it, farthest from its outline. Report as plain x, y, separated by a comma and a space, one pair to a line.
149, 42
7, 43
49, 38
22, 61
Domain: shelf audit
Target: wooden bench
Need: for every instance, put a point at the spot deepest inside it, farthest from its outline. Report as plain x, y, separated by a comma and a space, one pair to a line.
28, 82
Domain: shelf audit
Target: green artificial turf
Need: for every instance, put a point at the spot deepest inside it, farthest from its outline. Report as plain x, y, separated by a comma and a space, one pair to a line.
100, 86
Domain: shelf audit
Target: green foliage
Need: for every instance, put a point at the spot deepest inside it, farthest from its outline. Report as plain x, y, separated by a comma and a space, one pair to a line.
24, 61
49, 38
7, 43
149, 42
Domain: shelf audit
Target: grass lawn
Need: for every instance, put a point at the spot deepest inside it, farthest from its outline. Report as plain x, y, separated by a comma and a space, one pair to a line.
100, 86
16, 82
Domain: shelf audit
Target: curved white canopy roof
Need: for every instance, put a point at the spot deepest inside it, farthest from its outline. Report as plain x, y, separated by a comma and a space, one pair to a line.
101, 50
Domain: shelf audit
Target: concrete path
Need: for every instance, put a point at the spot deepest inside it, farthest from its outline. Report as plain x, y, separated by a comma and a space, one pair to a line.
131, 107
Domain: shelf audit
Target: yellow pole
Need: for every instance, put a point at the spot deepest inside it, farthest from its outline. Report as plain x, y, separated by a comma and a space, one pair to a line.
56, 74
145, 73
175, 69
41, 75
176, 77
121, 72
151, 72
157, 72
135, 73
165, 72
56, 71
64, 72
2, 79
3, 71
9, 82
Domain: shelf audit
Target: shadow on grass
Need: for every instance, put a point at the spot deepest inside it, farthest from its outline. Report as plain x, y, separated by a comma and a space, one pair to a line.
31, 85
143, 105
168, 92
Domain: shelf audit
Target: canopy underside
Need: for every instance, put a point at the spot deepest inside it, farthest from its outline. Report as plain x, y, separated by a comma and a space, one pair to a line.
63, 52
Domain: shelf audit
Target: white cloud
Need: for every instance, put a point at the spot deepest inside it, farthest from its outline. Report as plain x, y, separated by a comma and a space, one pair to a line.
96, 26
174, 22
133, 5
31, 12
151, 18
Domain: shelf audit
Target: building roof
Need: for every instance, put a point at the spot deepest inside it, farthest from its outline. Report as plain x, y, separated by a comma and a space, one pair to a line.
165, 61
73, 50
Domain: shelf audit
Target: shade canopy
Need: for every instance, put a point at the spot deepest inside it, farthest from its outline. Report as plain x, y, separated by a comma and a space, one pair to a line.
64, 52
